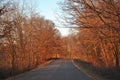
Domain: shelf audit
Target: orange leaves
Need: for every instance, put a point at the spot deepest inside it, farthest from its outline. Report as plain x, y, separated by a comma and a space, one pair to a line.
99, 23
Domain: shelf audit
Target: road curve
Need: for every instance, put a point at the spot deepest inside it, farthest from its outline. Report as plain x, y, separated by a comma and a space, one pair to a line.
57, 70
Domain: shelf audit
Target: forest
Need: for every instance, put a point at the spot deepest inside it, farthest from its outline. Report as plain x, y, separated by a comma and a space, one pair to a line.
98, 22
27, 39
98, 39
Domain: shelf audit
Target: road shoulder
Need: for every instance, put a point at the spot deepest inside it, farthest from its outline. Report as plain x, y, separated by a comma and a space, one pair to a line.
40, 66
89, 73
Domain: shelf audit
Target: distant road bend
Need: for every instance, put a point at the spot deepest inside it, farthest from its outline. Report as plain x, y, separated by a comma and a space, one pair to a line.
57, 70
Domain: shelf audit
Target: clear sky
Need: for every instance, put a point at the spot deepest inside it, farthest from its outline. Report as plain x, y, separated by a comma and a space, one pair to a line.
49, 9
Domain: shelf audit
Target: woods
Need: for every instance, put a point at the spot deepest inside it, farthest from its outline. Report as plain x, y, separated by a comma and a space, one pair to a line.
98, 23
26, 39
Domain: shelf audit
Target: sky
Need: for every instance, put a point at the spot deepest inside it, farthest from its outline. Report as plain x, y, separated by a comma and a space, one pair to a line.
50, 9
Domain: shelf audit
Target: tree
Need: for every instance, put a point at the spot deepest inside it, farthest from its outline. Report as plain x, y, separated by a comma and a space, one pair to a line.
99, 18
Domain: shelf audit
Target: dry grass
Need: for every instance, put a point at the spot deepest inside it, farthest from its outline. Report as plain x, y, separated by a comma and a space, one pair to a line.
41, 65
98, 73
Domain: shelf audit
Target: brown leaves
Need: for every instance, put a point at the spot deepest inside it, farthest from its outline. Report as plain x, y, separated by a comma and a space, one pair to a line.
99, 22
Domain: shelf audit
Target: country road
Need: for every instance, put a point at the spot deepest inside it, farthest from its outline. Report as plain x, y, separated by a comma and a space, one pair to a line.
57, 70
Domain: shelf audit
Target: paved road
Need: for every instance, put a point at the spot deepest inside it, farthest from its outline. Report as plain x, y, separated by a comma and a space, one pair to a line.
57, 70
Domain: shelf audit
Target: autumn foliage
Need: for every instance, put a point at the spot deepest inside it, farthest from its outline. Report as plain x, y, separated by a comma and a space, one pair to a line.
98, 23
26, 40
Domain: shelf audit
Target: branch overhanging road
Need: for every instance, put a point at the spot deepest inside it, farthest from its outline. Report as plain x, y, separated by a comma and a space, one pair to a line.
57, 70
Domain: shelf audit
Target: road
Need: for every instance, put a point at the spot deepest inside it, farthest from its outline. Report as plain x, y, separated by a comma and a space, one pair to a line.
57, 70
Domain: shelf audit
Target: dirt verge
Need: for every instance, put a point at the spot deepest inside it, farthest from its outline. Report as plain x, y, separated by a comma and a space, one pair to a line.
87, 69
40, 66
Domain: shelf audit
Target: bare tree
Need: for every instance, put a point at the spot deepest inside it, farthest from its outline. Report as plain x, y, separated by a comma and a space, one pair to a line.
100, 18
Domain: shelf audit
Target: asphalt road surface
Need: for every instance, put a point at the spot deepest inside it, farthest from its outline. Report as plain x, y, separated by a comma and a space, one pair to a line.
57, 70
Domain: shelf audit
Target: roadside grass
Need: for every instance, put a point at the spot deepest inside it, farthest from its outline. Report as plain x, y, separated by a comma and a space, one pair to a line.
97, 73
27, 71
